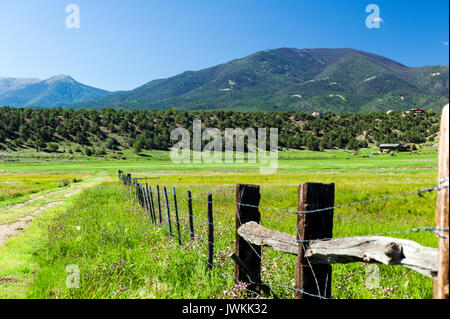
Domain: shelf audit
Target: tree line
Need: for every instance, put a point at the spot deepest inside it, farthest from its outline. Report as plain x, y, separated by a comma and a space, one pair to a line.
108, 130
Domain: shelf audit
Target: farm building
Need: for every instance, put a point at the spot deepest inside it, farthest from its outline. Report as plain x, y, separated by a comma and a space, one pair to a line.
316, 114
394, 147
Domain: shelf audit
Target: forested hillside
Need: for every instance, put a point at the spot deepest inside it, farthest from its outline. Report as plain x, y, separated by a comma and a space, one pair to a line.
100, 132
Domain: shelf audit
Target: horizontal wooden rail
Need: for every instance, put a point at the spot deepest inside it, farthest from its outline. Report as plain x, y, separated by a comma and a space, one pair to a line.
369, 249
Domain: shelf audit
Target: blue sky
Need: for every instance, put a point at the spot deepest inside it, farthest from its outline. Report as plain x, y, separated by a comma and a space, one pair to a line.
123, 44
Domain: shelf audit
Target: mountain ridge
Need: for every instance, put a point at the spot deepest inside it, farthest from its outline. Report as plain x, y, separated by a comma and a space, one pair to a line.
339, 80
283, 79
55, 91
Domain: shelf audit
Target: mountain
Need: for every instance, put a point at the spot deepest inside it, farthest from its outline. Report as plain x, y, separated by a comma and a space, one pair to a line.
9, 84
339, 80
55, 91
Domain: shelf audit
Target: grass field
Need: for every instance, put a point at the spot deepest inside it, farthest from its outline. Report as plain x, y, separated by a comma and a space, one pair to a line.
122, 255
366, 160
18, 187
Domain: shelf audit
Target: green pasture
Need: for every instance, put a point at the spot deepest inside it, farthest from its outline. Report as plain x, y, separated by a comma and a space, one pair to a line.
293, 161
120, 253
17, 187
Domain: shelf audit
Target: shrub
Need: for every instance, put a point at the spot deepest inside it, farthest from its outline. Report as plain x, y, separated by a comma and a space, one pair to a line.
63, 183
52, 147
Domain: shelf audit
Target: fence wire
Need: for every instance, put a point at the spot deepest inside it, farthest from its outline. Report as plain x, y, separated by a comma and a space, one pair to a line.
418, 192
443, 183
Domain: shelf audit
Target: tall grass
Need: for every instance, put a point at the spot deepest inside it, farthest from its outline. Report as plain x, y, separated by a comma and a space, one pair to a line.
120, 254
16, 187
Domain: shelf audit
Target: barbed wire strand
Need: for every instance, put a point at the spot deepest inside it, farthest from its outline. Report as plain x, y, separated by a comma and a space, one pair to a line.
441, 181
417, 192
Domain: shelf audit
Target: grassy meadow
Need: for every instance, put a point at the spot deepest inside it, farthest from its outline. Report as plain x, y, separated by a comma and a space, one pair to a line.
120, 253
17, 187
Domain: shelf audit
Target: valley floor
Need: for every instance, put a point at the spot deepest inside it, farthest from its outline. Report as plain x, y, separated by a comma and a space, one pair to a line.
95, 224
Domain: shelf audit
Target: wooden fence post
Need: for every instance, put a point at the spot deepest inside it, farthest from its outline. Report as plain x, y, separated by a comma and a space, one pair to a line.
191, 215
176, 214
210, 233
440, 284
313, 280
159, 205
249, 254
168, 212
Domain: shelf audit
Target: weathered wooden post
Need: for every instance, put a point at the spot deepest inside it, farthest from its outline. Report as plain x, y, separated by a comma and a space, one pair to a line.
191, 215
440, 284
249, 254
313, 280
168, 212
159, 205
176, 214
210, 233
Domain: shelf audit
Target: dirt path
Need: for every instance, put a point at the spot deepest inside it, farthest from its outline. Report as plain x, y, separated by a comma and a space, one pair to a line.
6, 231
19, 205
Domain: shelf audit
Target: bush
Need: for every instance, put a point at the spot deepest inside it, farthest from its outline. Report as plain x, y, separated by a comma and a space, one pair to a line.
63, 183
111, 143
88, 152
52, 147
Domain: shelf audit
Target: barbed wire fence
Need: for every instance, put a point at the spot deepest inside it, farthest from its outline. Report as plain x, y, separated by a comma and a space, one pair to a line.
202, 230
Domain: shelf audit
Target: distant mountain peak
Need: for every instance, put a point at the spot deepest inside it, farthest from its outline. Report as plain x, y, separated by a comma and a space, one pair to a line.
60, 78
290, 79
10, 83
282, 79
55, 91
